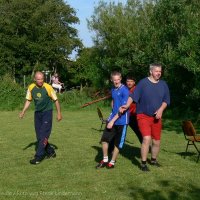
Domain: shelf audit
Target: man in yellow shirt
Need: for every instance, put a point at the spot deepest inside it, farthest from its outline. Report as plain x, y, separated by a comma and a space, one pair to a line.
43, 96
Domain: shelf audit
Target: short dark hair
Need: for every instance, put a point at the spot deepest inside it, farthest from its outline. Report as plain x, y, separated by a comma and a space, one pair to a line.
130, 77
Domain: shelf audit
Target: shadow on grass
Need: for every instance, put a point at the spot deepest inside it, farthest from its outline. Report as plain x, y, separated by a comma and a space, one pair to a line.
184, 154
99, 154
132, 153
172, 190
36, 145
99, 130
129, 152
192, 155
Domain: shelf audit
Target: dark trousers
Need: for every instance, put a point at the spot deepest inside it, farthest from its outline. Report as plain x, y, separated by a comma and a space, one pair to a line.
134, 126
43, 125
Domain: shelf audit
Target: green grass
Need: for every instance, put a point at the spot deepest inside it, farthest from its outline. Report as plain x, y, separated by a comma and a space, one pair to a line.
72, 174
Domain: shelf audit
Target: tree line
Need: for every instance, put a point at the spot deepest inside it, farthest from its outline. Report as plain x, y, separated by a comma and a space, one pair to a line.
36, 35
40, 35
131, 36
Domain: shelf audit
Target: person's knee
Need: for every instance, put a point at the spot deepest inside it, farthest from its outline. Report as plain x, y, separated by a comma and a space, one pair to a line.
156, 142
104, 144
146, 140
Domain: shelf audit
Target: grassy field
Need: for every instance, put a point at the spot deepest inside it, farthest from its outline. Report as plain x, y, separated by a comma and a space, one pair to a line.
72, 174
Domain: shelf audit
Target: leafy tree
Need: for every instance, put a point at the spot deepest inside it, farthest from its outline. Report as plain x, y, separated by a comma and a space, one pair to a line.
36, 34
139, 33
118, 30
177, 45
85, 70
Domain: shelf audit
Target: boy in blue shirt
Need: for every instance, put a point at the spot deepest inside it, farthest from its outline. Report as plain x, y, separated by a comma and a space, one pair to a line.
117, 123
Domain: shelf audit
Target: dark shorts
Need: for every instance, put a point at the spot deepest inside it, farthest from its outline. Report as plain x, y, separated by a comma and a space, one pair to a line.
117, 133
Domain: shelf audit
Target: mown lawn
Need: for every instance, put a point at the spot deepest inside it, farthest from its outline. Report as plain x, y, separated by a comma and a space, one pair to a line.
72, 174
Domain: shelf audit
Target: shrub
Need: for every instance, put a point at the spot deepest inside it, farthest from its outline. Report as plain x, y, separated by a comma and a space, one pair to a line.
13, 97
12, 94
76, 98
73, 99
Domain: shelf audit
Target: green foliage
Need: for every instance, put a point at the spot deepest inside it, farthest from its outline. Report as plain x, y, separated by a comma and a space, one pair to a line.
85, 71
132, 36
74, 99
39, 35
36, 35
12, 95
118, 30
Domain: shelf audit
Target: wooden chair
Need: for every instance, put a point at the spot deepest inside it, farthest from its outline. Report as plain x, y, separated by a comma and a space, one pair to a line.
103, 120
191, 136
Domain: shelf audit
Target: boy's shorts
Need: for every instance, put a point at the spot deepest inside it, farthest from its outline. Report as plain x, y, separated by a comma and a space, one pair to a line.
116, 133
149, 126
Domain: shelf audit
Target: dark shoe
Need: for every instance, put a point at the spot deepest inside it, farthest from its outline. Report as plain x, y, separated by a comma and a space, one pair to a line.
52, 155
144, 168
101, 164
155, 163
110, 166
35, 161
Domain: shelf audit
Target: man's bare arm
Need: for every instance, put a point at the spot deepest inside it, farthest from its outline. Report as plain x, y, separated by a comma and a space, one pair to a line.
26, 106
59, 115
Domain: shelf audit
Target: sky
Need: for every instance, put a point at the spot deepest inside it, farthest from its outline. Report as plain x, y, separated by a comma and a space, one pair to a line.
84, 9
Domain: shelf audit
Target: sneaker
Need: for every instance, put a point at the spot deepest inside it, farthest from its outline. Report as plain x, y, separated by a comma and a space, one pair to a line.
110, 166
35, 161
144, 168
155, 163
51, 155
101, 164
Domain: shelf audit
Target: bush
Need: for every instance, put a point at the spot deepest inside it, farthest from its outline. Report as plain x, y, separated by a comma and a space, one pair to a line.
74, 99
12, 94
13, 97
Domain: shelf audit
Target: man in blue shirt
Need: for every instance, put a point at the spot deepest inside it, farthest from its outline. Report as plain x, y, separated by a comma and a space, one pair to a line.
151, 97
117, 123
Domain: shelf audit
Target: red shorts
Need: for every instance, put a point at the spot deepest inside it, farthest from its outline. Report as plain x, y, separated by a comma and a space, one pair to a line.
149, 126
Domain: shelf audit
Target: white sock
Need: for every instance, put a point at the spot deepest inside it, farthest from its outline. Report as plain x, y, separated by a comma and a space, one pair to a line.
105, 159
112, 162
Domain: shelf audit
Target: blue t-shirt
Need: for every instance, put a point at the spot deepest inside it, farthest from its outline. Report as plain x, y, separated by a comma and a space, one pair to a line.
149, 96
119, 96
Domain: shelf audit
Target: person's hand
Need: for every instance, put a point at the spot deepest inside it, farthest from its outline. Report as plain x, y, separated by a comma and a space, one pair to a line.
59, 117
21, 115
110, 125
158, 114
122, 109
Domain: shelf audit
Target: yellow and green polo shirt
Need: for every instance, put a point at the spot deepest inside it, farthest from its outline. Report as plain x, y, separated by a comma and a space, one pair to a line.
42, 96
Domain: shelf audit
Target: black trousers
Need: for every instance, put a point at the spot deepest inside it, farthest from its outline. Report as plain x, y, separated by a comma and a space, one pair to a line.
134, 126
